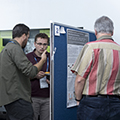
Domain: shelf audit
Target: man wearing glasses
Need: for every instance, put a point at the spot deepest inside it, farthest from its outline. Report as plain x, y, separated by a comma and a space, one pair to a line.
40, 84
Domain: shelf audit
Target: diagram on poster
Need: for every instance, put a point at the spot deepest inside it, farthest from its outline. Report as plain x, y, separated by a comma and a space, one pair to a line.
75, 42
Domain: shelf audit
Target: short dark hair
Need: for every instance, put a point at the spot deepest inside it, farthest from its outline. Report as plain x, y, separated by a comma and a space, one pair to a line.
19, 30
42, 35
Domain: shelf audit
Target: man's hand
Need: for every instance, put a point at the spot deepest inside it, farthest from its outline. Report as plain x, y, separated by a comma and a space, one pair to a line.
42, 61
40, 75
44, 56
78, 103
47, 81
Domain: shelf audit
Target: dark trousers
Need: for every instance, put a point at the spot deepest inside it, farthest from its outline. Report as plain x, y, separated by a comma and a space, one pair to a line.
99, 108
19, 110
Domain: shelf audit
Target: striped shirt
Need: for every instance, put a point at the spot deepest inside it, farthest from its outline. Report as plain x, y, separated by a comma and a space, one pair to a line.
99, 63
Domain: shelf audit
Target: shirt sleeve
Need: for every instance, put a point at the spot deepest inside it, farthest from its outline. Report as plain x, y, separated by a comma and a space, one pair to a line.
83, 64
21, 61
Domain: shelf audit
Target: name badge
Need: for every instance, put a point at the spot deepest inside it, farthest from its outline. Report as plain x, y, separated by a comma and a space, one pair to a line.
43, 83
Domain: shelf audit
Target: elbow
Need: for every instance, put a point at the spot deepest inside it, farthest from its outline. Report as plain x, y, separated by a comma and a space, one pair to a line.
80, 79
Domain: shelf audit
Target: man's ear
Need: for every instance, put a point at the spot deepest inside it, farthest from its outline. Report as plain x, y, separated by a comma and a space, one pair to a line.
23, 36
95, 32
112, 33
34, 44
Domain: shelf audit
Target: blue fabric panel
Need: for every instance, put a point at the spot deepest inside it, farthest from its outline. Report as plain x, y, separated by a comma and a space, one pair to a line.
61, 112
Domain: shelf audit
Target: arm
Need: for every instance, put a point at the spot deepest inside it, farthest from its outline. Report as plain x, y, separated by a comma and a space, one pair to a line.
42, 61
79, 86
40, 75
48, 81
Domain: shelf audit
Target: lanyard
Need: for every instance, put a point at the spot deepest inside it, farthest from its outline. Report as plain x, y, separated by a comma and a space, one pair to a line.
47, 63
15, 43
12, 42
36, 59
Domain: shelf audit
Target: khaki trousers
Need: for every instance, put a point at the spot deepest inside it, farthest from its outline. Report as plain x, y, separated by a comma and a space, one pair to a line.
41, 108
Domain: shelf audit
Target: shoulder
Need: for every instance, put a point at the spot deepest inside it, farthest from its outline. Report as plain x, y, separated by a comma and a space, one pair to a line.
29, 54
12, 48
92, 42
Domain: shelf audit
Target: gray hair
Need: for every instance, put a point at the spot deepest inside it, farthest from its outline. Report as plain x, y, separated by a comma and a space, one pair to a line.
104, 25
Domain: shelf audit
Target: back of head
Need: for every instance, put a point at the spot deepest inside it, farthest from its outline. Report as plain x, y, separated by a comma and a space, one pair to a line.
19, 30
104, 25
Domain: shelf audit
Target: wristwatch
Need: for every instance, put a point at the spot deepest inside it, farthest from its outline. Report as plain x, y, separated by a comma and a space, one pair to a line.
76, 98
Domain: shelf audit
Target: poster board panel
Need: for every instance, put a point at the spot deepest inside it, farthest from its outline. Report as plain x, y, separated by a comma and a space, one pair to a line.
59, 71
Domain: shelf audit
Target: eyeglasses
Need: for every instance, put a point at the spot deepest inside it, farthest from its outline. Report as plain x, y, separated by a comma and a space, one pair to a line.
40, 44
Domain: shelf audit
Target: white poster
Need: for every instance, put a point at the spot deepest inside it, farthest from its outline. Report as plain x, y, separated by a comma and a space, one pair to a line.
75, 41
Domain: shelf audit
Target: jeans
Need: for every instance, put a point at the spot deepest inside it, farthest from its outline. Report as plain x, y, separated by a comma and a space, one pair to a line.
99, 108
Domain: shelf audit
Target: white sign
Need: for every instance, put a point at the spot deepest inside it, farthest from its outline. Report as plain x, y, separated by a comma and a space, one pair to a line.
57, 30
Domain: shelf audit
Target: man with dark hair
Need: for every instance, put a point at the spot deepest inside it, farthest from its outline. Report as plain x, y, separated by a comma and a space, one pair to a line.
97, 84
15, 73
40, 84
19, 30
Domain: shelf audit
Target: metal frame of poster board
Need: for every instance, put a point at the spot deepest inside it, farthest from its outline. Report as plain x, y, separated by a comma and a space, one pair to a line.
58, 71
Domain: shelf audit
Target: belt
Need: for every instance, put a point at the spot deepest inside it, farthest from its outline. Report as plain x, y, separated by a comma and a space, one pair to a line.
102, 96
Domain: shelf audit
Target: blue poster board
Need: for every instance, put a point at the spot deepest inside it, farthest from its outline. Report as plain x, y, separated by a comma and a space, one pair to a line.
58, 43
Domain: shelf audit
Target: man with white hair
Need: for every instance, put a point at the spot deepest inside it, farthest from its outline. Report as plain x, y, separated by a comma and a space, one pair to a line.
97, 68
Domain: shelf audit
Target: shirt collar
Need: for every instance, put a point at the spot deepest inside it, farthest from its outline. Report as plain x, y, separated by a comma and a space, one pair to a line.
105, 37
35, 54
15, 42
